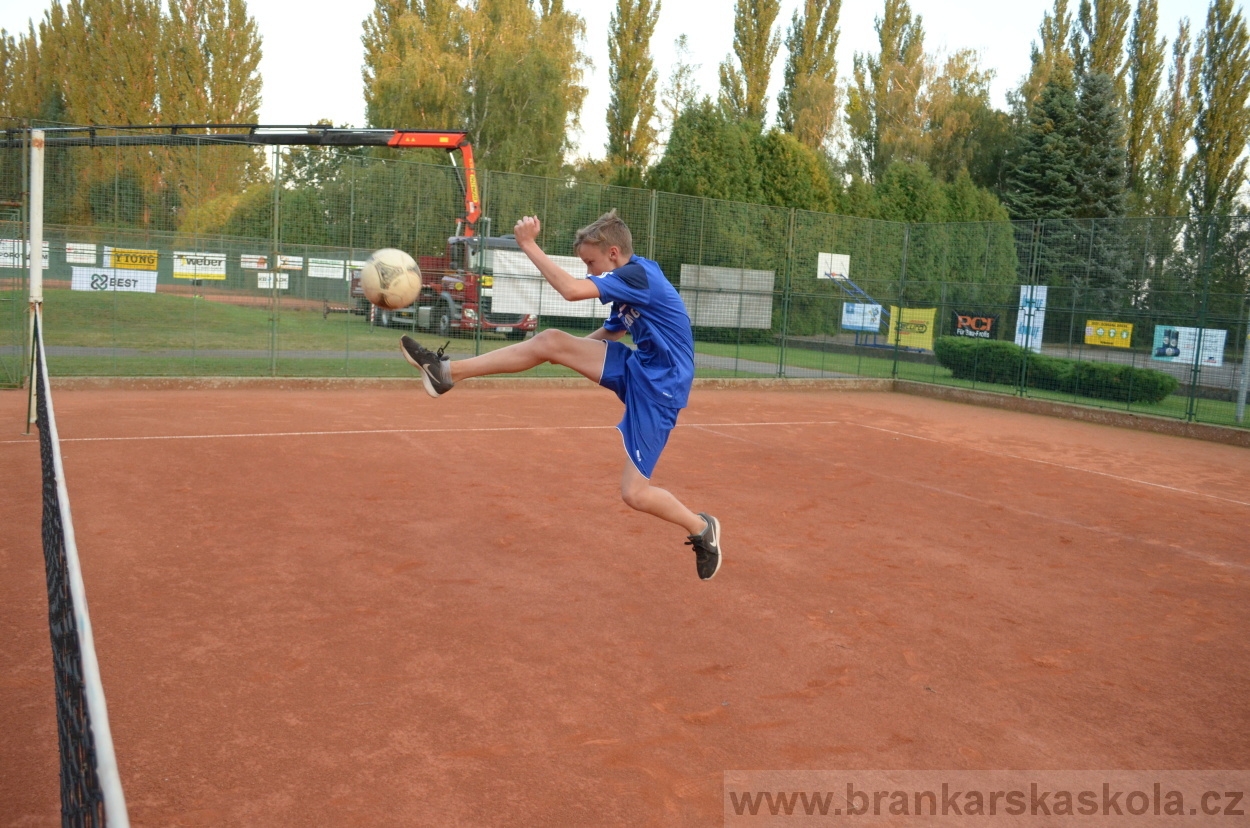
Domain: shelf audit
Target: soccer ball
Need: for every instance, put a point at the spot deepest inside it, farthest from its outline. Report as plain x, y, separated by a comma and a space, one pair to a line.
391, 279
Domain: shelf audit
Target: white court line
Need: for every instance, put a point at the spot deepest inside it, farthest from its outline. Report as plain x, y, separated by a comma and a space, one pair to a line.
1056, 465
702, 426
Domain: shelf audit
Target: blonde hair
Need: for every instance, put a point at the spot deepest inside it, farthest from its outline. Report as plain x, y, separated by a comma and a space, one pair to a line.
606, 231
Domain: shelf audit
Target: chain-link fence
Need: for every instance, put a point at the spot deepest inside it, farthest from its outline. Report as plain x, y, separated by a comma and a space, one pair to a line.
210, 258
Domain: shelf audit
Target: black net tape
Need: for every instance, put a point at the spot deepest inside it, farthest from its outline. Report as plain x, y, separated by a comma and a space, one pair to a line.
82, 801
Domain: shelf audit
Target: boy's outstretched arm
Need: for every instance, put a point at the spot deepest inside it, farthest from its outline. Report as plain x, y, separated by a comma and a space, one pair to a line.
570, 288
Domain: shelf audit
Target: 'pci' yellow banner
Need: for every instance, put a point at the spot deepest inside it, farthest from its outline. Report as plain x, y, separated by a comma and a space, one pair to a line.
913, 327
1114, 334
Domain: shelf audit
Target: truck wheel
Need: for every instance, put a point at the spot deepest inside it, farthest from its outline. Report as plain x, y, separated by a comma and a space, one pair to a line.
444, 321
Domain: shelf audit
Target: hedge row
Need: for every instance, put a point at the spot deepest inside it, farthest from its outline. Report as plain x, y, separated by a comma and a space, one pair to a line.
1001, 363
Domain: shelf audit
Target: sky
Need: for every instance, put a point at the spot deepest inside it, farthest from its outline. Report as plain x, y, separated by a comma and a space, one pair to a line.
311, 65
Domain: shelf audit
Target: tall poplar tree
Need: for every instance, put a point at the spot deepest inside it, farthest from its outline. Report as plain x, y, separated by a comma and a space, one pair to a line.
744, 87
631, 75
1147, 53
1221, 88
885, 103
1166, 185
1050, 53
507, 71
1098, 43
807, 106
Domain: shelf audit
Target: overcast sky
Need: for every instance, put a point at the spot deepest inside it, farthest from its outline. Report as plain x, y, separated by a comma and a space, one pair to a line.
312, 60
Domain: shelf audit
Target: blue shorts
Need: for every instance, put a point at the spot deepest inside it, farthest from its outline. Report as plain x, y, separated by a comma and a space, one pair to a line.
647, 423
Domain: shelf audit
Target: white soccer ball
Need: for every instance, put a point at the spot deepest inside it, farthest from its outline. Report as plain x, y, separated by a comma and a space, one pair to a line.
391, 279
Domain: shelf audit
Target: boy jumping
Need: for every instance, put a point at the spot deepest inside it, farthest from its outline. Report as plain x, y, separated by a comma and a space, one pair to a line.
653, 380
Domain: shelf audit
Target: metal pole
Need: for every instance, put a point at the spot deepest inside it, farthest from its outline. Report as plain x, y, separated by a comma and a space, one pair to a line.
35, 252
1245, 374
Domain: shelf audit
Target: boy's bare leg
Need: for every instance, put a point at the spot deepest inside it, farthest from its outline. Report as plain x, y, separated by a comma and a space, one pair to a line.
638, 493
585, 356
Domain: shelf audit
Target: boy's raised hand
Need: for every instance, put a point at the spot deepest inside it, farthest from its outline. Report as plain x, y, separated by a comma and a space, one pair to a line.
527, 229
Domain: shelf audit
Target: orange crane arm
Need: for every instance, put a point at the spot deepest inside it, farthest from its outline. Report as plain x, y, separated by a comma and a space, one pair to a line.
450, 141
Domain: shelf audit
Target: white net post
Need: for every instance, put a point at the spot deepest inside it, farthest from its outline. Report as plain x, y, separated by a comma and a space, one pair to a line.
34, 252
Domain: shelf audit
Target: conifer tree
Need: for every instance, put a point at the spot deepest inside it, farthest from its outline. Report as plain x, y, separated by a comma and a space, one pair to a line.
1043, 184
744, 87
631, 74
1100, 153
807, 105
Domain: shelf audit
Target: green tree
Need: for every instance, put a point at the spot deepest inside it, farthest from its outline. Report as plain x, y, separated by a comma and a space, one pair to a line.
1147, 52
711, 154
1052, 54
885, 104
1166, 185
1220, 88
416, 70
807, 106
631, 75
682, 90
1100, 176
507, 71
1043, 184
793, 174
963, 127
744, 87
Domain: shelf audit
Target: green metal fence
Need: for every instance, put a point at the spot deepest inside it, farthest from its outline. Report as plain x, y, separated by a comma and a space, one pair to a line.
771, 291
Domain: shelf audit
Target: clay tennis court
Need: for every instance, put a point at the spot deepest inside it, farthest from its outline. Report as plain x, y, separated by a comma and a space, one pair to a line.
365, 607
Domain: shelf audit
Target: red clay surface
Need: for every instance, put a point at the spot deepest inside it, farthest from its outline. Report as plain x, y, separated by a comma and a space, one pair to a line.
465, 626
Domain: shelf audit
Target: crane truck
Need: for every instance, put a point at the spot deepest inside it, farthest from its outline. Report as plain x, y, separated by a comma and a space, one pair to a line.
457, 285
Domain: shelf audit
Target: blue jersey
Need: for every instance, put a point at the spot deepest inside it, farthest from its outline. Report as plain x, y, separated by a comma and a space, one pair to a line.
649, 307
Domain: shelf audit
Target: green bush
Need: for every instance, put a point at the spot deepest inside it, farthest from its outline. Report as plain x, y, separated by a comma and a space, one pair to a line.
1000, 363
984, 360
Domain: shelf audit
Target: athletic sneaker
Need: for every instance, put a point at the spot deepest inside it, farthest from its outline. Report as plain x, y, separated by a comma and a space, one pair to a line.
706, 547
435, 368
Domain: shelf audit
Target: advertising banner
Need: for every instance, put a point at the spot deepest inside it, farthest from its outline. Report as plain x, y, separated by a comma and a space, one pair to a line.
913, 327
861, 316
253, 262
727, 297
1174, 344
520, 288
833, 266
264, 281
1031, 317
98, 279
199, 266
975, 325
1111, 334
11, 254
327, 268
76, 253
120, 258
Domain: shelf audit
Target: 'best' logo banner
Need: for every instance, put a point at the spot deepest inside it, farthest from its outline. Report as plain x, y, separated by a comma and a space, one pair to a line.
98, 279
